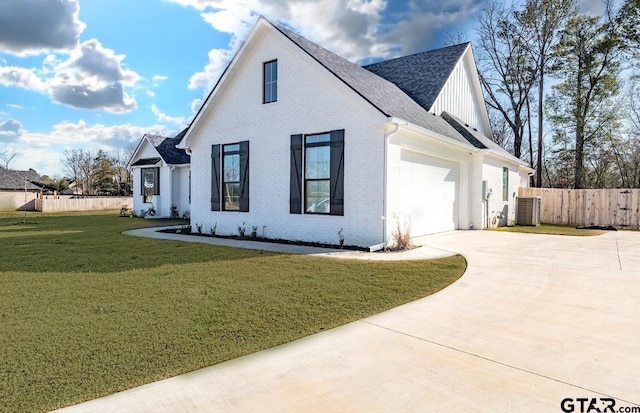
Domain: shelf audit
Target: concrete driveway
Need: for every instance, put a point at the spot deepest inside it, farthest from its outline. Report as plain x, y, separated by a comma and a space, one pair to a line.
535, 319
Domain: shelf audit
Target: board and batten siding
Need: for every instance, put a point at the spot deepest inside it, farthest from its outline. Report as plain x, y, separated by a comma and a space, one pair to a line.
619, 208
451, 99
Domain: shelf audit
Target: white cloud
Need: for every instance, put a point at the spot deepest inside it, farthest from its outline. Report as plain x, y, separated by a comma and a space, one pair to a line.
43, 150
93, 77
159, 78
14, 106
150, 93
23, 78
163, 117
218, 59
10, 130
196, 104
354, 29
35, 26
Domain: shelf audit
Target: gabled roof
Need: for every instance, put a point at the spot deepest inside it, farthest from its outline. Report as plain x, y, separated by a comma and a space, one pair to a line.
381, 93
14, 180
166, 148
422, 75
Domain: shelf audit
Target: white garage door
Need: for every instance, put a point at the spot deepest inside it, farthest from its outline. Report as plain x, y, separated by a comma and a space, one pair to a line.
430, 193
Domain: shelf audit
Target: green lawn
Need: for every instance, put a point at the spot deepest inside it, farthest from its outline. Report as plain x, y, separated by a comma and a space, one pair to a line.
86, 311
551, 229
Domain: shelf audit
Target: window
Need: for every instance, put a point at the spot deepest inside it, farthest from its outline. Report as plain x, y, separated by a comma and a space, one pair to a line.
150, 184
230, 177
505, 184
317, 178
270, 80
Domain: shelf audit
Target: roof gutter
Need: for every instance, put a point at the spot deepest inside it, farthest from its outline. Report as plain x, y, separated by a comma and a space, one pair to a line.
433, 135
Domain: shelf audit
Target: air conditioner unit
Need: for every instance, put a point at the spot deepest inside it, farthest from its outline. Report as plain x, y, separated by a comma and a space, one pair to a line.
528, 211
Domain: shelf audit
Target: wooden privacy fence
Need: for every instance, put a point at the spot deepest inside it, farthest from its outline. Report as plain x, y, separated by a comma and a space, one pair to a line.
58, 204
619, 208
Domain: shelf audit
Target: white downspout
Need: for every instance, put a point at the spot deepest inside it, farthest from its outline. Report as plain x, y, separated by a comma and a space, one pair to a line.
171, 169
385, 180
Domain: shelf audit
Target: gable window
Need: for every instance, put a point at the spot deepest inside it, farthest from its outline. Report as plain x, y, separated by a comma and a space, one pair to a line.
270, 82
150, 183
230, 177
317, 177
505, 184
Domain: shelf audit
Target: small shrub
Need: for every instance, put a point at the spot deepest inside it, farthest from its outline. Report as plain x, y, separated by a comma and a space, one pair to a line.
254, 231
341, 237
401, 237
199, 229
151, 212
213, 229
174, 214
186, 214
242, 228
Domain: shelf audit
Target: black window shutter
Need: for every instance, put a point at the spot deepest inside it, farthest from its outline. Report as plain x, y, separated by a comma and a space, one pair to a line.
295, 181
142, 171
244, 176
156, 188
215, 177
337, 172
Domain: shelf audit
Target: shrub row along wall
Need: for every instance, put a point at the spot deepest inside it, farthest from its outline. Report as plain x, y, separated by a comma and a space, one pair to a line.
83, 204
619, 208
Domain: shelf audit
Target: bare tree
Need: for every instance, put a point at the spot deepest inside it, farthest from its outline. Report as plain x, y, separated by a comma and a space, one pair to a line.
508, 71
6, 158
541, 21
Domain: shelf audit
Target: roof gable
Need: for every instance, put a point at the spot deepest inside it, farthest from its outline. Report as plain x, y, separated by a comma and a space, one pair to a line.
385, 96
422, 75
165, 147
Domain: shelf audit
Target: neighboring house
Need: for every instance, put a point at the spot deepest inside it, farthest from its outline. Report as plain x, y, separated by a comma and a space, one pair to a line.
19, 189
302, 144
161, 176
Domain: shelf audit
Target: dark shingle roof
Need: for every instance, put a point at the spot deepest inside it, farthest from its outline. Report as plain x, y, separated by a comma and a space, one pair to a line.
381, 93
477, 139
423, 75
14, 180
166, 147
146, 161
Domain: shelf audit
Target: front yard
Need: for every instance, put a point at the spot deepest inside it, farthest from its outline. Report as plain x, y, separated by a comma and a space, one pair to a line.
86, 311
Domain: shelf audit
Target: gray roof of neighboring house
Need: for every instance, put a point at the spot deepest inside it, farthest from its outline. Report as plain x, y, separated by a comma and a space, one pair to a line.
166, 147
14, 180
381, 93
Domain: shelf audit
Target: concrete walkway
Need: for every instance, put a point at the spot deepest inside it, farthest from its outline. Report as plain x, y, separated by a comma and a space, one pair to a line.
534, 320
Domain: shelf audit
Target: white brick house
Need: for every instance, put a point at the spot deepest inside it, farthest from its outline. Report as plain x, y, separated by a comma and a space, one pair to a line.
301, 144
161, 176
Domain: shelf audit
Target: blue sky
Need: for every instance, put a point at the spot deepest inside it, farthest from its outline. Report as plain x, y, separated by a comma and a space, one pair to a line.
98, 74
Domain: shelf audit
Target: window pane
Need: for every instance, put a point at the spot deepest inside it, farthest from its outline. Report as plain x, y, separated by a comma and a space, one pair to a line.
231, 168
324, 137
270, 87
317, 197
317, 165
232, 148
231, 196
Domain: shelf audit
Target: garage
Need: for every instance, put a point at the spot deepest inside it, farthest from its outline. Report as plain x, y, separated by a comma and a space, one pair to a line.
430, 194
